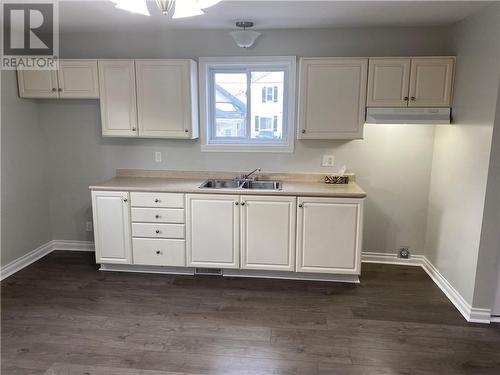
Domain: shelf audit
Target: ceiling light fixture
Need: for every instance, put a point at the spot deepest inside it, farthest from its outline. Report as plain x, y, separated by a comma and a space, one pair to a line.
244, 38
182, 8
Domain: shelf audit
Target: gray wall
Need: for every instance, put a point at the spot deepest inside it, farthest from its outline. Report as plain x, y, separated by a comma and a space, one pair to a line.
25, 210
462, 154
393, 162
488, 266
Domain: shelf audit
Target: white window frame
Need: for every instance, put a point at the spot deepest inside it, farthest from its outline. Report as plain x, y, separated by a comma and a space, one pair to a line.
206, 64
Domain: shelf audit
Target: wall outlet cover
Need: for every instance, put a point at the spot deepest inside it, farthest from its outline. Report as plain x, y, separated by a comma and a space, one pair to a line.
404, 252
88, 226
328, 161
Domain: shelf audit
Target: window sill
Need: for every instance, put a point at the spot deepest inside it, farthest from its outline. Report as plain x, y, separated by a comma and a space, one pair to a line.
214, 147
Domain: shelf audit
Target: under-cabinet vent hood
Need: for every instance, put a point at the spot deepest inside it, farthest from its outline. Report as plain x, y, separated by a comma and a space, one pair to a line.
430, 116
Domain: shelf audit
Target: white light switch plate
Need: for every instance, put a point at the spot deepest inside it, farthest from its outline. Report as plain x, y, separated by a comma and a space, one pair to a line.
158, 156
328, 161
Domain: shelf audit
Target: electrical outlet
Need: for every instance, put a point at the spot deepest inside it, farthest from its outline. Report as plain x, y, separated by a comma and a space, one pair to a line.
88, 226
404, 252
328, 161
158, 156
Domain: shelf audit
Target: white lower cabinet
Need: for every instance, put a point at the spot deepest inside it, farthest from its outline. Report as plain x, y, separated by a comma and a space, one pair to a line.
245, 232
329, 235
268, 233
112, 226
212, 230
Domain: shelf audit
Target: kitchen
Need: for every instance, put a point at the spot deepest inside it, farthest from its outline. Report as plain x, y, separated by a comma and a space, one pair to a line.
408, 181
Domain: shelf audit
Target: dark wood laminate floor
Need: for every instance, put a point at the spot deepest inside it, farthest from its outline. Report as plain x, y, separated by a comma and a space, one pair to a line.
62, 316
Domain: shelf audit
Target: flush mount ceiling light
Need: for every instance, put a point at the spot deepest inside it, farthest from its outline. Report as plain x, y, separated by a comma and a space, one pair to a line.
182, 8
244, 38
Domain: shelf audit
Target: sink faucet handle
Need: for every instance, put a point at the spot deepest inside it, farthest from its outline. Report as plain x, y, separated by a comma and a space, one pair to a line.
246, 176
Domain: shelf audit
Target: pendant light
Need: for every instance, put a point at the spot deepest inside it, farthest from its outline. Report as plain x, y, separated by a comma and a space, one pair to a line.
165, 6
244, 38
181, 8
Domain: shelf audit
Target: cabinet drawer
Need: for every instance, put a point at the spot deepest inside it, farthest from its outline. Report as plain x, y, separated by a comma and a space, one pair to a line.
159, 252
170, 200
158, 230
158, 215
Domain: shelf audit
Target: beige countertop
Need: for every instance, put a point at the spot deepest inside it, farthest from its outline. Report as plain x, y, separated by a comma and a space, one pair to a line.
189, 182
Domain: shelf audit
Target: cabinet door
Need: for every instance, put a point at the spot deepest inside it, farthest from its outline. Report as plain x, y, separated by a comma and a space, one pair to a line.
37, 83
164, 98
388, 82
329, 235
268, 233
431, 82
212, 230
117, 93
111, 227
78, 79
332, 98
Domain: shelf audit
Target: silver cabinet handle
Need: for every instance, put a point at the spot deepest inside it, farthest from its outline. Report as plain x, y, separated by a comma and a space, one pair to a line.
413, 98
157, 216
236, 203
301, 205
242, 203
59, 89
303, 131
157, 200
133, 129
186, 131
158, 252
405, 98
157, 231
54, 89
125, 199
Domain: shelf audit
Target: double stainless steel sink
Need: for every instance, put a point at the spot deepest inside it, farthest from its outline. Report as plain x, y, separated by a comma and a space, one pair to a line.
241, 184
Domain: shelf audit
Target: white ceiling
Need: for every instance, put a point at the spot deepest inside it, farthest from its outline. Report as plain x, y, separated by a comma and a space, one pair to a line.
92, 15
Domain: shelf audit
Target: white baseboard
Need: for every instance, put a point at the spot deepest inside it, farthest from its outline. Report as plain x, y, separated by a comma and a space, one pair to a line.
495, 319
24, 261
73, 245
471, 314
391, 258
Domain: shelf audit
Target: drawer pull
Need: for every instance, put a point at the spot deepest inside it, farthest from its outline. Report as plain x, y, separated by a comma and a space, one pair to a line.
157, 216
157, 200
158, 252
157, 231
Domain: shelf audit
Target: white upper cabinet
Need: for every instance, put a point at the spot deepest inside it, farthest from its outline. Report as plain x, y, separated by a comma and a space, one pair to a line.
332, 98
268, 233
431, 82
118, 100
78, 79
410, 82
37, 83
212, 230
167, 98
388, 82
329, 235
112, 227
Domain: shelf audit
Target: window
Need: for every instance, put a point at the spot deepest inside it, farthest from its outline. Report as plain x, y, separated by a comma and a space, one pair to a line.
270, 94
247, 104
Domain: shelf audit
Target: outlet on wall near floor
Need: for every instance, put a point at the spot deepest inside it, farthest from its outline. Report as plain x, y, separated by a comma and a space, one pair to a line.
328, 161
88, 226
158, 156
404, 252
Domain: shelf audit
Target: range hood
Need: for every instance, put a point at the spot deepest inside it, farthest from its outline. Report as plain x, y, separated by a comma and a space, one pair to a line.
430, 116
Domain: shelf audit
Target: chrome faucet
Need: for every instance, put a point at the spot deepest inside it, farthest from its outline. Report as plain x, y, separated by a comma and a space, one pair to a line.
247, 176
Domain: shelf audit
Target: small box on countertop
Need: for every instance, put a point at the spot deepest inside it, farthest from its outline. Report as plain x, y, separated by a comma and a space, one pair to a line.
338, 180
